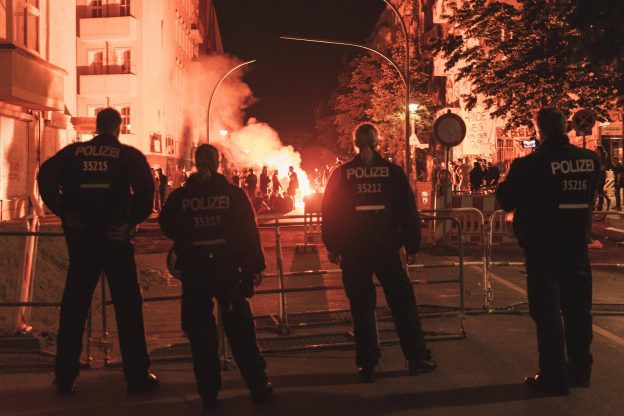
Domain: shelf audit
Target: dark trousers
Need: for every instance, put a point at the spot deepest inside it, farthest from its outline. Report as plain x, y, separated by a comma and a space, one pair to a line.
90, 254
559, 287
618, 196
199, 323
357, 275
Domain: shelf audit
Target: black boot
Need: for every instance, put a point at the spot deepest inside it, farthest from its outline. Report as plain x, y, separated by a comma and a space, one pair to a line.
65, 387
547, 386
421, 366
143, 384
367, 373
262, 392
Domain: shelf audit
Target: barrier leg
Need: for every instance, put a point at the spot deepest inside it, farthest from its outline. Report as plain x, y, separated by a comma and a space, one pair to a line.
26, 283
484, 259
104, 340
282, 295
89, 337
462, 291
223, 347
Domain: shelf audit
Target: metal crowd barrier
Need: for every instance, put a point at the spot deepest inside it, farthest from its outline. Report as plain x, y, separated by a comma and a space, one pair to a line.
485, 281
277, 222
30, 251
598, 309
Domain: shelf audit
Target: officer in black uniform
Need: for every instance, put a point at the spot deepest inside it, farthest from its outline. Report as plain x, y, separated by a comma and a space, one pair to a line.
369, 212
551, 192
101, 189
219, 255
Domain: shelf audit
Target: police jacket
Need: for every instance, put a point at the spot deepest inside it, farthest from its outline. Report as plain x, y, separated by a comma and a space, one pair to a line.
101, 181
551, 192
369, 207
213, 226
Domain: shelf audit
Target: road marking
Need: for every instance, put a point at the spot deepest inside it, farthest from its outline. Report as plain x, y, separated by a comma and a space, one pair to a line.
597, 329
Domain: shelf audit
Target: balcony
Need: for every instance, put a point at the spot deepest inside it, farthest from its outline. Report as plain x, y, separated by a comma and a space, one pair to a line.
197, 32
108, 28
112, 85
29, 81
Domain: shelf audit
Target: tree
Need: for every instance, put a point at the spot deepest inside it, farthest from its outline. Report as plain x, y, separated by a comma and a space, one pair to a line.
600, 23
388, 102
526, 54
370, 89
352, 99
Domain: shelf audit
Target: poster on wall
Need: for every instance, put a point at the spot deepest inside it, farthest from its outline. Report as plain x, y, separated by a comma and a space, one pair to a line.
13, 158
480, 133
441, 9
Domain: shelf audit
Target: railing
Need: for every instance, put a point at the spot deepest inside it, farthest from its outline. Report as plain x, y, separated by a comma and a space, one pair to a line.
282, 321
597, 308
26, 293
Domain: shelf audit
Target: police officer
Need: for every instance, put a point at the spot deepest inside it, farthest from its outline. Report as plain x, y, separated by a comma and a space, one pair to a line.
551, 192
101, 189
368, 214
219, 255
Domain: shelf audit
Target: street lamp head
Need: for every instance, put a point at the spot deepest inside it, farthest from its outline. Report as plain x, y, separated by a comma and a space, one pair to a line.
413, 107
223, 132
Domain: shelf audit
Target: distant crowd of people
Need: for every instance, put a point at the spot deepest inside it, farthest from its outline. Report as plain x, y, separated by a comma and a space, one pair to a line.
615, 165
162, 184
266, 192
481, 177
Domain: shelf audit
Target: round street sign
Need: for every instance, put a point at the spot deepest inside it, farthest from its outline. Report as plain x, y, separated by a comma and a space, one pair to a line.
583, 121
449, 129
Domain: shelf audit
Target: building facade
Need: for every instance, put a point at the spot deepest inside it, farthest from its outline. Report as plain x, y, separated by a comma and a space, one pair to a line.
63, 60
37, 94
140, 57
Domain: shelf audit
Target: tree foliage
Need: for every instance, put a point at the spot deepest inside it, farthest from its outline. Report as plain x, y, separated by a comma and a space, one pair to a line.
526, 54
371, 90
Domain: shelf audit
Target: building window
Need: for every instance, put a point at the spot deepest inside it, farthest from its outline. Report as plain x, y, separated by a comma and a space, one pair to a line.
155, 143
124, 8
126, 125
95, 60
93, 110
123, 59
26, 23
170, 149
97, 8
3, 20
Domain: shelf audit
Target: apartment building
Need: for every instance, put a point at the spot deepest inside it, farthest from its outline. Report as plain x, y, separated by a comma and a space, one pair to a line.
485, 137
139, 56
37, 94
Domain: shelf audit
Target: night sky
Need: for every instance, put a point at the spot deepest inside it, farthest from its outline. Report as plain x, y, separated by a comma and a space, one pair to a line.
291, 78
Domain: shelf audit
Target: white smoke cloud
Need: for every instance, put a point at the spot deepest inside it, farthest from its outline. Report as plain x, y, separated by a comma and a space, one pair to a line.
230, 101
247, 145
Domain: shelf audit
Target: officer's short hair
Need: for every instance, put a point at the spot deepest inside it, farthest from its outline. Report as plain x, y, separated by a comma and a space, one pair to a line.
551, 121
107, 120
207, 156
366, 135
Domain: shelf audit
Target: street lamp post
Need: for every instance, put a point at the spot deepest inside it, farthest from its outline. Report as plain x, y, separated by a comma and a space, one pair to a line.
214, 91
405, 73
413, 107
408, 167
379, 53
